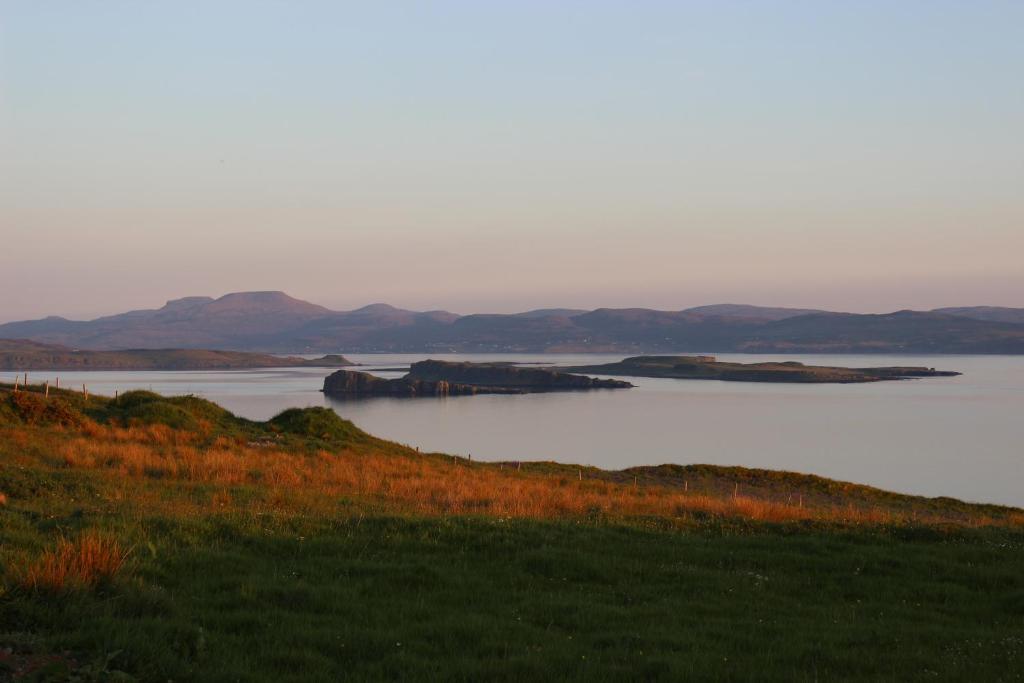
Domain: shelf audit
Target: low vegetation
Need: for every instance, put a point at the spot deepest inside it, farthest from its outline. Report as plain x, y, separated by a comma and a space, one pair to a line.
160, 538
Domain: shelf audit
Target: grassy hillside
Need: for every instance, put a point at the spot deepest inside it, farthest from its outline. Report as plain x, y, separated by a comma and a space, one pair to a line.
165, 538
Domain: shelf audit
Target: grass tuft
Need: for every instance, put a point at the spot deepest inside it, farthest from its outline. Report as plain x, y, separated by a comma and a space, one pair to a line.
90, 561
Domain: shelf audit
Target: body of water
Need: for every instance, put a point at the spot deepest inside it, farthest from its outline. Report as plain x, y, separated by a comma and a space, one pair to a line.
955, 436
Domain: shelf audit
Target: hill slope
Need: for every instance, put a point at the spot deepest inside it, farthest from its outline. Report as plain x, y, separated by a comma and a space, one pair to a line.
162, 538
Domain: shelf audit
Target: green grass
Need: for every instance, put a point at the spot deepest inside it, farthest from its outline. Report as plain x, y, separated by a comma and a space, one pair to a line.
235, 598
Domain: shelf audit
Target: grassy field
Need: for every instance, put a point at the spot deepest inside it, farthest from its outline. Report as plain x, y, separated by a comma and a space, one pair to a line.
151, 538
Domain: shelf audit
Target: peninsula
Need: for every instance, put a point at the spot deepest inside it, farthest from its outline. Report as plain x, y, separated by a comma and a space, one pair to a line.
19, 355
443, 378
707, 367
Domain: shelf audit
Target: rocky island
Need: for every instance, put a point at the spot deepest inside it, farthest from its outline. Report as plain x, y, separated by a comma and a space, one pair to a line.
443, 378
707, 367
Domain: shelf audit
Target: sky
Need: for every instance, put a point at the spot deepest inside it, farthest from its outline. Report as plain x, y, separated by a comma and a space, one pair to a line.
502, 156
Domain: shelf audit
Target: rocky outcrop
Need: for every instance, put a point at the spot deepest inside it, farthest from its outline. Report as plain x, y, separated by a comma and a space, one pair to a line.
348, 383
440, 378
508, 375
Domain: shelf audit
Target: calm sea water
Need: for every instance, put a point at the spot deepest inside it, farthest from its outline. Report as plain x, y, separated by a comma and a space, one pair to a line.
959, 436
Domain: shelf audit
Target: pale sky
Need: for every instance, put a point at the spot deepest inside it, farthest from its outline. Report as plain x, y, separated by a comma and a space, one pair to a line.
501, 156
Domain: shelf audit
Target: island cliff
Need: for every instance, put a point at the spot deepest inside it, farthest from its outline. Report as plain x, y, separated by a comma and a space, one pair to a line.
442, 378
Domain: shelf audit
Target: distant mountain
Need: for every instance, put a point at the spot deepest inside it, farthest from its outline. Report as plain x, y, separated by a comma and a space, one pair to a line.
743, 311
991, 313
232, 321
899, 332
551, 312
276, 322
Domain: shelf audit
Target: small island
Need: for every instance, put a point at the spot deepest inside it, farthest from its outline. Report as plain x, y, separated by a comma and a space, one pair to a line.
707, 367
21, 355
443, 378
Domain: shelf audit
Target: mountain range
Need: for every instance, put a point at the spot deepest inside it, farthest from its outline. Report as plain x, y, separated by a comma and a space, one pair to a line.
276, 322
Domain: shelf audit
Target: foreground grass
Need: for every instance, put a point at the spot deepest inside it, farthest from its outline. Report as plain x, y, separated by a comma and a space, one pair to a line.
237, 573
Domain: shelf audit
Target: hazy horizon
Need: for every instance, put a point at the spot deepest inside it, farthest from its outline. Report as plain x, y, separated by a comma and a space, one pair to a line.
478, 157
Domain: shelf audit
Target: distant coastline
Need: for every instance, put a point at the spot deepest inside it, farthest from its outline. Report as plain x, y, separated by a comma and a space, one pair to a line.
22, 355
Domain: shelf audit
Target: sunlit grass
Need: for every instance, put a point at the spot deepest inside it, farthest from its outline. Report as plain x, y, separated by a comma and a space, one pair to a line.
422, 484
87, 561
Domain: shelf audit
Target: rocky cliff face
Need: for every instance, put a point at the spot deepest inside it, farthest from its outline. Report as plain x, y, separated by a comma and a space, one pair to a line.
347, 383
439, 378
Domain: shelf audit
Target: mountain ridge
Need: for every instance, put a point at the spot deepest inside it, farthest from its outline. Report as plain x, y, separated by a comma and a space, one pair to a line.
273, 321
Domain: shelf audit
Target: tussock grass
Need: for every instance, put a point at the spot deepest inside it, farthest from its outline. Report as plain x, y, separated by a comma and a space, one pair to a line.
89, 561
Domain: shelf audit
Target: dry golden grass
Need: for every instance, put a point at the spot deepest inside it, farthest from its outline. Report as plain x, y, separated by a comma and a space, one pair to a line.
405, 481
88, 561
419, 484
